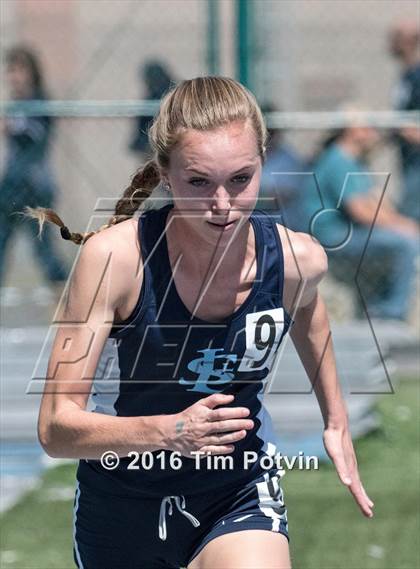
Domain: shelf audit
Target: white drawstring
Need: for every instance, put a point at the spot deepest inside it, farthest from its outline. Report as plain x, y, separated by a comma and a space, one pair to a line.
181, 507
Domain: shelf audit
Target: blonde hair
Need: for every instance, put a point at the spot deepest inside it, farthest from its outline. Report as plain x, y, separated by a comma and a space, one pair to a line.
203, 103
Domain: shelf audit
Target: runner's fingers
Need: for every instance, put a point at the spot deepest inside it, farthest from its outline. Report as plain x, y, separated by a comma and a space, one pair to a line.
217, 399
342, 469
360, 497
228, 413
232, 425
371, 504
212, 449
361, 489
369, 501
221, 439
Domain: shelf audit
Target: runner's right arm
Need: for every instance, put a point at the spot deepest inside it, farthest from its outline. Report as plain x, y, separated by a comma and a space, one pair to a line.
65, 428
101, 281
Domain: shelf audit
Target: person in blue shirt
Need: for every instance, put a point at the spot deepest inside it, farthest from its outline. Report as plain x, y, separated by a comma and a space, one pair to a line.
281, 179
343, 202
405, 47
27, 179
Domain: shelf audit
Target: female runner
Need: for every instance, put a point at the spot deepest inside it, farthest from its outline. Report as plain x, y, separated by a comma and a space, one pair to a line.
191, 302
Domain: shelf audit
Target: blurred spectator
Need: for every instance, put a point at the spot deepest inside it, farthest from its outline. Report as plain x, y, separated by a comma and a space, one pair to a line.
157, 80
281, 178
27, 179
350, 203
405, 46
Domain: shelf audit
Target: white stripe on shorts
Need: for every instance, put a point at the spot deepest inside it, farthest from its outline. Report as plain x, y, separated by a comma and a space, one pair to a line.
76, 507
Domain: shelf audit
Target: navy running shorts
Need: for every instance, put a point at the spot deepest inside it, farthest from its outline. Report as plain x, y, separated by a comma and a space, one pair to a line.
113, 532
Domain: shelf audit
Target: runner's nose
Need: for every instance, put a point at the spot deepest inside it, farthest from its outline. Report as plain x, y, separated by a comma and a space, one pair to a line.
221, 201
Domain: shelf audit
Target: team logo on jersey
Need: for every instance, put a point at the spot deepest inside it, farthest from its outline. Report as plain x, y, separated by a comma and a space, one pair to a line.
208, 375
263, 333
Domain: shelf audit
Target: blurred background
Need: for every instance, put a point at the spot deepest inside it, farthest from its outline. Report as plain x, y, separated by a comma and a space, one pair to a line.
339, 82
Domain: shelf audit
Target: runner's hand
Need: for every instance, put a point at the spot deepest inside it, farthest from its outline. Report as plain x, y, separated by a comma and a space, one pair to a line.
203, 428
339, 446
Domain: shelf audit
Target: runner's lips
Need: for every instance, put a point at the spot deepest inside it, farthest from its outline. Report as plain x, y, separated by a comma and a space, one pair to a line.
222, 224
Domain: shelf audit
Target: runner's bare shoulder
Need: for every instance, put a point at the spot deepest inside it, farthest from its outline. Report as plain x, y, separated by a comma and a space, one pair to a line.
305, 260
108, 272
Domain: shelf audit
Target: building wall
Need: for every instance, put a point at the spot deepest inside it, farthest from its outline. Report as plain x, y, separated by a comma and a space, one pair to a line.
315, 53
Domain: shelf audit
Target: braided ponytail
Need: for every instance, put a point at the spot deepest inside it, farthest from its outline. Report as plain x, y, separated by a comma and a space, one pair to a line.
141, 187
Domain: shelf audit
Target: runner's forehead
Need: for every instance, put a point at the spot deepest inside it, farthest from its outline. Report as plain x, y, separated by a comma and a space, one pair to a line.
231, 148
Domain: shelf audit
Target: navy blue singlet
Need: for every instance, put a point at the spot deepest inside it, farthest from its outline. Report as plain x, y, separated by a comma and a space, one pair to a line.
161, 360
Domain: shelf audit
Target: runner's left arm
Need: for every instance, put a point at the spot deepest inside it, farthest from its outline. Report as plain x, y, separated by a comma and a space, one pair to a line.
312, 338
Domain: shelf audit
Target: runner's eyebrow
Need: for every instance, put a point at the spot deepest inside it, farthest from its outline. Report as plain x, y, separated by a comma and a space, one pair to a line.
204, 174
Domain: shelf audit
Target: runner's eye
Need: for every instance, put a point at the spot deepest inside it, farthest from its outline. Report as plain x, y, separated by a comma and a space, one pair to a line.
241, 179
198, 182
201, 182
